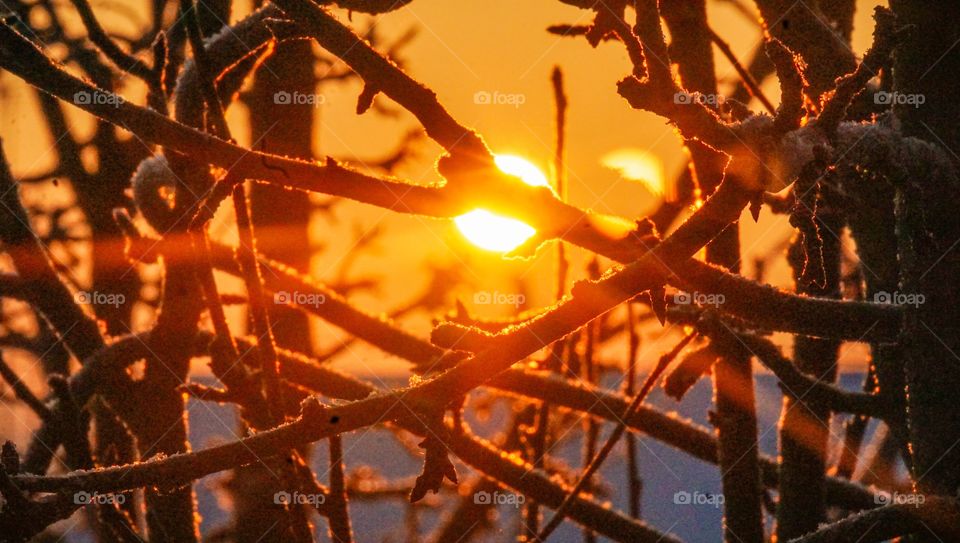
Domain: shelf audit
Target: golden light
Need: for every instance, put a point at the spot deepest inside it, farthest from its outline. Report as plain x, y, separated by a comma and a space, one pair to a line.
493, 232
522, 168
637, 165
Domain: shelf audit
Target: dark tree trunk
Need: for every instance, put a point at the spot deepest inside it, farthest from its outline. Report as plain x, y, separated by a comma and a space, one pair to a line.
926, 63
805, 427
281, 218
284, 215
736, 419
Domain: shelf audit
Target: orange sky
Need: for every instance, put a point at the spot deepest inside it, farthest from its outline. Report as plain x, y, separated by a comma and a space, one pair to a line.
462, 48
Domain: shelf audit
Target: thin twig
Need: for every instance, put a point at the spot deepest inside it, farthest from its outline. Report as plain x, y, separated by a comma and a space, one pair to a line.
633, 468
615, 436
22, 391
748, 80
120, 58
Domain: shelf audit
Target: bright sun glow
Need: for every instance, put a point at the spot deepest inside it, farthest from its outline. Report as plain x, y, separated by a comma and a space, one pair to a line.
522, 168
637, 165
496, 233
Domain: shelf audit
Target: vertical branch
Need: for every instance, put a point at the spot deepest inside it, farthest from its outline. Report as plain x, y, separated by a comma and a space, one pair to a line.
804, 426
555, 358
873, 225
214, 118
926, 228
633, 461
339, 517
734, 396
855, 430
266, 352
736, 423
246, 253
250, 267
259, 481
615, 436
560, 149
285, 130
801, 27
553, 363
171, 516
588, 374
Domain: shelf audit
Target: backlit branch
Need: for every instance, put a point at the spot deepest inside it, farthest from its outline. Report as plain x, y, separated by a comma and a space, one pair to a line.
543, 211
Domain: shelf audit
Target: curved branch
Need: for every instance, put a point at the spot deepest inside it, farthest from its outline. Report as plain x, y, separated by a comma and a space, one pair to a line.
121, 59
933, 516
682, 434
380, 74
317, 422
794, 382
776, 310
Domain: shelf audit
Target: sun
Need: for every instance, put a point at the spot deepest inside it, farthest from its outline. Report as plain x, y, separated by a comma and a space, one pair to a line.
493, 232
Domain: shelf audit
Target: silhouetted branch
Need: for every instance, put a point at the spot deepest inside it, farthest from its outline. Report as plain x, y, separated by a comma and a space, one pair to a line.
794, 382
612, 440
46, 292
152, 76
933, 517
23, 392
317, 422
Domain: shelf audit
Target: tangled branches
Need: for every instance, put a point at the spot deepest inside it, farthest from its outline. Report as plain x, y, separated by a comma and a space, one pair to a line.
841, 160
